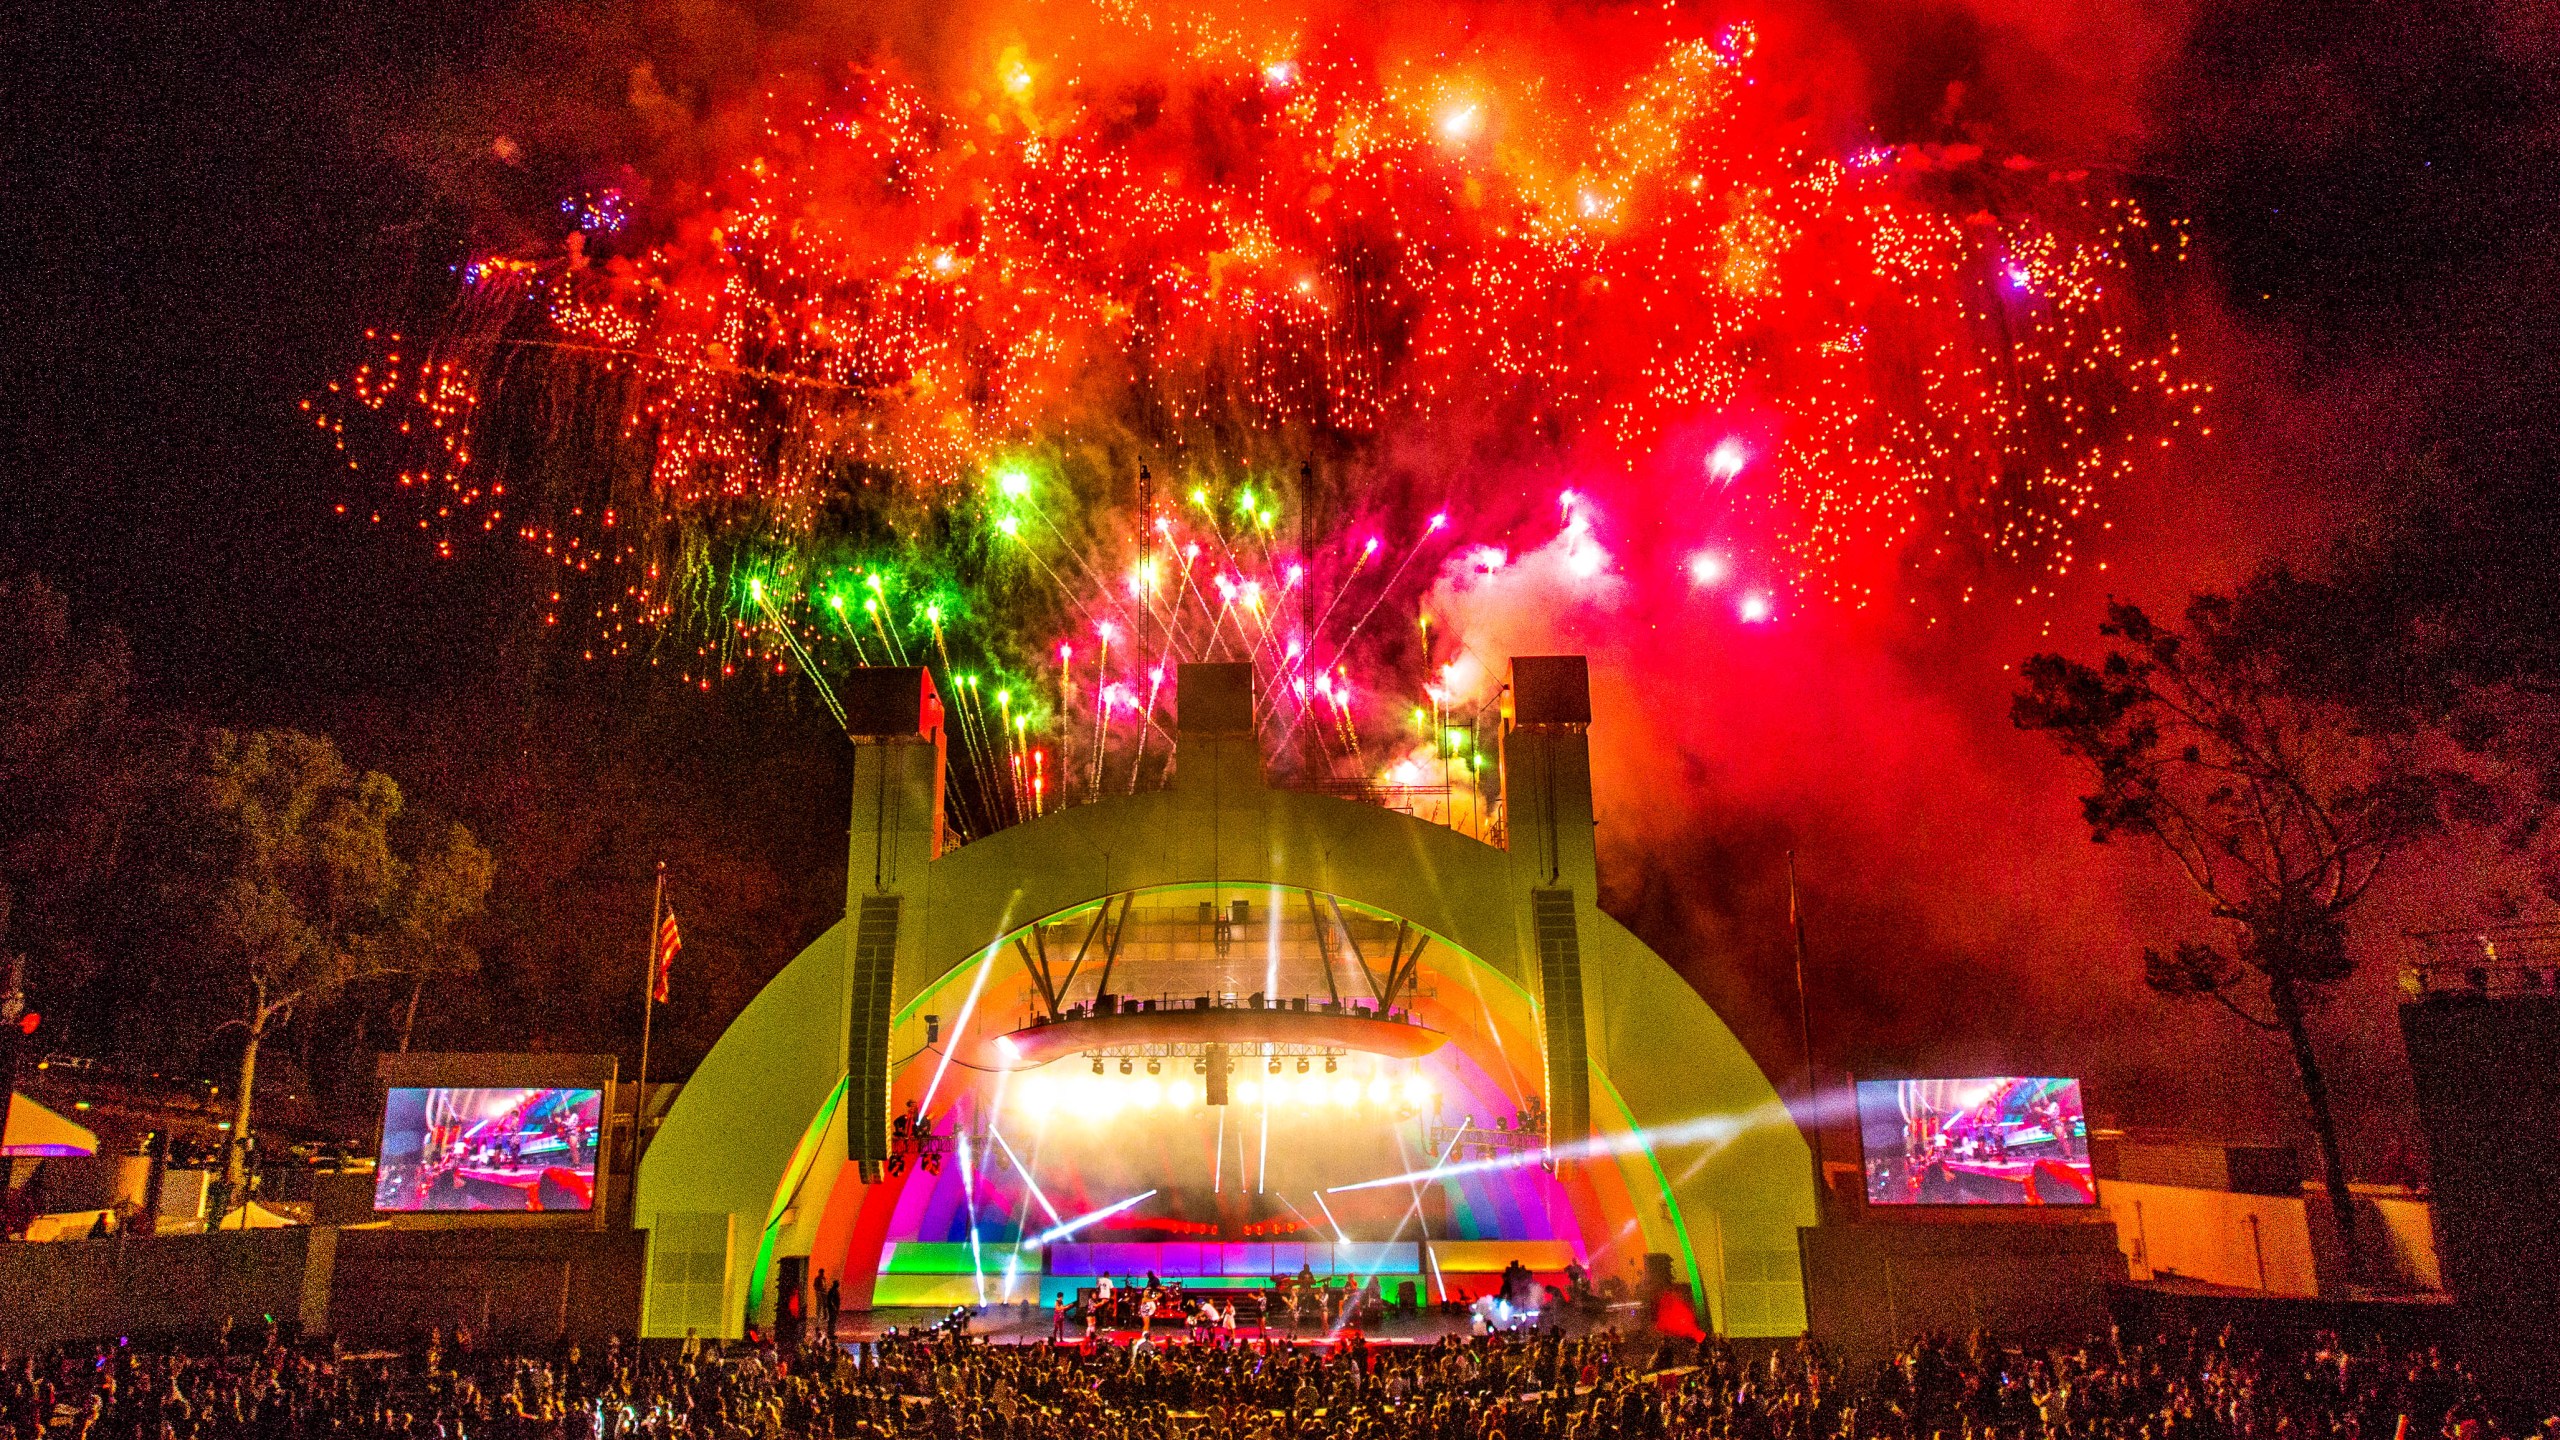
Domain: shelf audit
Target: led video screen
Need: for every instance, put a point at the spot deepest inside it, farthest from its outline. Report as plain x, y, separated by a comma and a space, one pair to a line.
488, 1149
1993, 1140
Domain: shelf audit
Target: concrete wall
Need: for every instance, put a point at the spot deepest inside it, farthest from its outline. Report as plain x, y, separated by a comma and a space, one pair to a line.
168, 1284
523, 1284
1870, 1286
368, 1285
2274, 1244
2249, 1242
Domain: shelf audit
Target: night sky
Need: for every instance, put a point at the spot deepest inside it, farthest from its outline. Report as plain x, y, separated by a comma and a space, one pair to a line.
206, 205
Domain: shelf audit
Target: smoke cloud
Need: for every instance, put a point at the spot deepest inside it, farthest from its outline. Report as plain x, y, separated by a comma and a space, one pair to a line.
1956, 918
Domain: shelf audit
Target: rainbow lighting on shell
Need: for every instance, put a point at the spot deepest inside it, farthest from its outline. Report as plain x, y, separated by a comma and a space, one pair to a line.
1220, 1031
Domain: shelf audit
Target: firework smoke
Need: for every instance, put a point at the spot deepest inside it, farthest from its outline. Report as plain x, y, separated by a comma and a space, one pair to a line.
892, 372
1757, 357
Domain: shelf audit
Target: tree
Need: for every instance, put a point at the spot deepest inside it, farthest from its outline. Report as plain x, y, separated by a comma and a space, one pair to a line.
289, 875
2280, 809
581, 784
2432, 614
65, 791
448, 885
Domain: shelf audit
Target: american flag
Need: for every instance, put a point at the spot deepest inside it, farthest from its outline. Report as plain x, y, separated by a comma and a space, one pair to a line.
669, 942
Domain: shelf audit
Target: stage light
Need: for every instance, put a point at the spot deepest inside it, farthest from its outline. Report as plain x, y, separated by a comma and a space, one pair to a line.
1034, 1095
1346, 1091
1066, 1228
1200, 1066
1328, 1064
1097, 1065
1302, 1064
1380, 1092
1417, 1092
1146, 1093
1275, 1064
1124, 1065
1155, 1067
1248, 1092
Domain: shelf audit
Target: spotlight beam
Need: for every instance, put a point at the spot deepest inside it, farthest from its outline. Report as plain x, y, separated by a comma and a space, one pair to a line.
1412, 1213
1062, 1231
967, 1008
1032, 1185
1338, 1236
1294, 1210
1712, 1131
969, 1198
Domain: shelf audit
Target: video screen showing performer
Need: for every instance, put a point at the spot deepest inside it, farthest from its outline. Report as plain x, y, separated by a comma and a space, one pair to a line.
1994, 1140
519, 1150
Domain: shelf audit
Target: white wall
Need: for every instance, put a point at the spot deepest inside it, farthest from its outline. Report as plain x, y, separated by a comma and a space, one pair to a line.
2250, 1242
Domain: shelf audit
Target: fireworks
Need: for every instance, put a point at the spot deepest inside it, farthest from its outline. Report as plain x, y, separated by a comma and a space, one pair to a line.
896, 385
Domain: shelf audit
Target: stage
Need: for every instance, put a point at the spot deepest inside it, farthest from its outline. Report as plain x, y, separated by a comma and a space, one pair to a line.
1230, 1036
1019, 1325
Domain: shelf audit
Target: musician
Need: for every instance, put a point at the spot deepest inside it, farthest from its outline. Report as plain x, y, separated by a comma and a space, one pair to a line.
2048, 1113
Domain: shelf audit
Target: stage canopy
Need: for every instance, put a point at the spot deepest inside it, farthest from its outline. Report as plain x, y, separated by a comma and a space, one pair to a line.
1224, 1032
36, 1132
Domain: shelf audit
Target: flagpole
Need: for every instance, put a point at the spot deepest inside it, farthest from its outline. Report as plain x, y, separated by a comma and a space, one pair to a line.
648, 1003
1804, 1021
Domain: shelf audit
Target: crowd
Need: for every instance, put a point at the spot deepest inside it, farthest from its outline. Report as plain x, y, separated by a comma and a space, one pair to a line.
940, 1385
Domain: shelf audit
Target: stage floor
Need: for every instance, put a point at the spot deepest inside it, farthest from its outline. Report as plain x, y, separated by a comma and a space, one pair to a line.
1020, 1325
